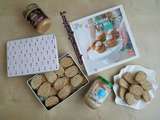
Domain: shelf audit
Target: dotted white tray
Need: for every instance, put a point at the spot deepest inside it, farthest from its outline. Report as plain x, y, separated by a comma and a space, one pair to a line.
32, 55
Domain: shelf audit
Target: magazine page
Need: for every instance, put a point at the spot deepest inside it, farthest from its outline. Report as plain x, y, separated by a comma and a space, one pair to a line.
104, 39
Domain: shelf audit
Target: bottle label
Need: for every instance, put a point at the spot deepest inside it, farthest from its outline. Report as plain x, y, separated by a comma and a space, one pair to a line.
35, 17
99, 93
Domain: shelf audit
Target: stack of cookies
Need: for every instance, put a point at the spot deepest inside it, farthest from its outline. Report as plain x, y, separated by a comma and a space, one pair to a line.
53, 87
134, 87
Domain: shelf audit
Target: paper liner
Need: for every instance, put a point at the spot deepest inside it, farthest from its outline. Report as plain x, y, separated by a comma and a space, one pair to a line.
151, 77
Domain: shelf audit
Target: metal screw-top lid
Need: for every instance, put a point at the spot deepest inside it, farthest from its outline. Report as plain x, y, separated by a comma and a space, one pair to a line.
29, 9
44, 25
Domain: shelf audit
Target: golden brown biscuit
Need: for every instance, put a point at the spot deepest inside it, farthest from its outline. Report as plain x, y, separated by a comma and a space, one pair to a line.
112, 43
60, 83
66, 91
146, 85
77, 80
146, 96
135, 83
137, 97
140, 77
101, 37
129, 77
98, 46
36, 81
66, 62
136, 90
53, 91
51, 76
123, 83
60, 72
51, 101
115, 34
44, 89
122, 92
130, 99
101, 48
71, 71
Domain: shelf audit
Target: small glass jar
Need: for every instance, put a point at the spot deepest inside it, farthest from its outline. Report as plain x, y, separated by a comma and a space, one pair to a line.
98, 92
37, 18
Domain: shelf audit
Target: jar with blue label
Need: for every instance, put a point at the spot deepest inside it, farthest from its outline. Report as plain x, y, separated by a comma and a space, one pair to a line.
98, 92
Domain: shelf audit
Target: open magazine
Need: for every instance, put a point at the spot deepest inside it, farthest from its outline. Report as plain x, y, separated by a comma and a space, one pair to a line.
104, 39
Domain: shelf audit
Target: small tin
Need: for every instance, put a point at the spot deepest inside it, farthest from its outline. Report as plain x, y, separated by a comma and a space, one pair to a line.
37, 18
41, 100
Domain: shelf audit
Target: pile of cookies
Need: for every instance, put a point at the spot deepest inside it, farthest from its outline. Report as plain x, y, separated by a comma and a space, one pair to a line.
53, 87
134, 87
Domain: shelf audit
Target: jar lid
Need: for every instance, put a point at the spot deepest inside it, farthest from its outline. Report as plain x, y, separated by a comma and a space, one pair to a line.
110, 85
29, 9
44, 25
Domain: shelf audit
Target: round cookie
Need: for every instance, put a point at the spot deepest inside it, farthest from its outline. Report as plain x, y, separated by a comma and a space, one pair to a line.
137, 97
146, 85
129, 77
136, 90
60, 83
76, 80
51, 76
140, 77
130, 99
53, 91
36, 81
66, 62
122, 92
123, 83
44, 89
146, 96
135, 83
51, 101
60, 72
66, 91
98, 46
71, 71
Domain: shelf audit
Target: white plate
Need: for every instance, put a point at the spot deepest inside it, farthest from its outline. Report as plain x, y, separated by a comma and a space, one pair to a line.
151, 77
93, 55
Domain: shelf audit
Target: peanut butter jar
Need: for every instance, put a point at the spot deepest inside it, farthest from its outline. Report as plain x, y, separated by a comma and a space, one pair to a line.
98, 92
37, 18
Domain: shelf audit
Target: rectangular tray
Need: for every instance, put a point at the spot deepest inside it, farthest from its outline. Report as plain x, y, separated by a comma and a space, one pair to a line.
87, 81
